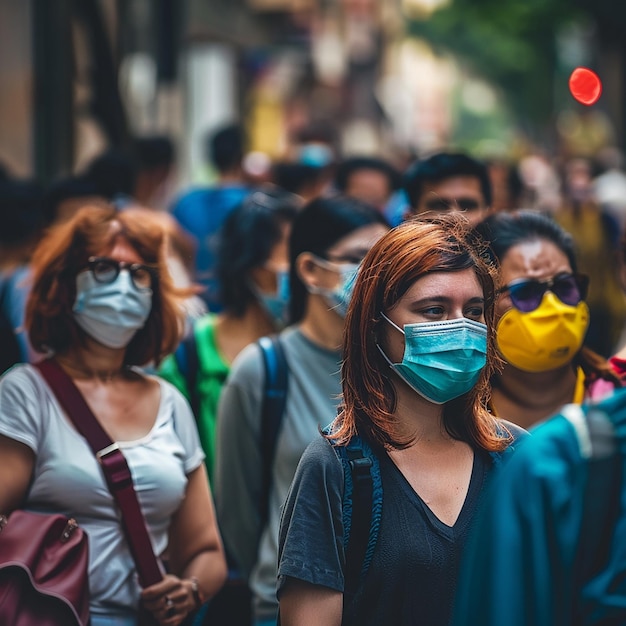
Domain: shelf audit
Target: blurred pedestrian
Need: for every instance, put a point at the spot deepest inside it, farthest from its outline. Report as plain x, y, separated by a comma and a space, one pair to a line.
507, 187
449, 182
418, 355
23, 219
596, 235
305, 180
201, 212
548, 548
156, 159
609, 187
329, 239
101, 305
541, 319
253, 270
369, 179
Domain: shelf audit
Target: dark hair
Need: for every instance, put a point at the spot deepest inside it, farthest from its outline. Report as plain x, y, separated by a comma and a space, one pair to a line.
225, 148
64, 252
318, 131
502, 231
297, 177
246, 240
71, 188
318, 227
21, 211
155, 151
444, 165
354, 164
395, 262
112, 173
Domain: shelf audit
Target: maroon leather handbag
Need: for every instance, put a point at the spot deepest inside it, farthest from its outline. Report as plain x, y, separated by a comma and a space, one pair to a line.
43, 571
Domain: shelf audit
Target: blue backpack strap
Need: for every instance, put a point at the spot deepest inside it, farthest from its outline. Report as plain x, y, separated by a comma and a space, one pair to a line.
272, 410
188, 362
362, 511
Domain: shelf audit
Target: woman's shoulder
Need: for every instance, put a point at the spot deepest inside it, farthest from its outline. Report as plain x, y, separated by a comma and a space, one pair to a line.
24, 406
247, 366
504, 429
170, 394
205, 325
22, 378
319, 461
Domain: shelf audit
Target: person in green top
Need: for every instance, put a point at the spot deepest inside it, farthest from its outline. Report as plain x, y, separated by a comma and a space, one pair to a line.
253, 271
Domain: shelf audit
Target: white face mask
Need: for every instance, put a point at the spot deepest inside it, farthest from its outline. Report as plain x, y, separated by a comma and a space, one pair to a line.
111, 313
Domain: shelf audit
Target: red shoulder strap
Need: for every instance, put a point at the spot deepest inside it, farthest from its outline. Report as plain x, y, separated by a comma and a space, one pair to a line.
114, 466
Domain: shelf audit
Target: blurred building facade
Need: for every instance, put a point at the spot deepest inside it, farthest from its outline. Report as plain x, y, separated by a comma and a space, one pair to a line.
82, 75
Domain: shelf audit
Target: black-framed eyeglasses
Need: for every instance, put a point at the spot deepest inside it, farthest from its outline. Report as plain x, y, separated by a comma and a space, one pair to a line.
526, 293
444, 204
106, 270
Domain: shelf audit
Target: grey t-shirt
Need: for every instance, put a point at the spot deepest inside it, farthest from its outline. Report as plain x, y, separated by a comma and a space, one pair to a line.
312, 396
67, 478
412, 577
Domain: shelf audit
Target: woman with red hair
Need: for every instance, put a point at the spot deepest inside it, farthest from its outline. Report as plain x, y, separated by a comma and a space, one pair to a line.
418, 354
101, 305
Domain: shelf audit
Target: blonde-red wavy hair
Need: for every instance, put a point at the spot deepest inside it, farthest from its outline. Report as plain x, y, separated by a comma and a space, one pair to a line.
64, 252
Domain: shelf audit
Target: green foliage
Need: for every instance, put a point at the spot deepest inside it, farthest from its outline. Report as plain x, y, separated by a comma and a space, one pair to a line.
510, 43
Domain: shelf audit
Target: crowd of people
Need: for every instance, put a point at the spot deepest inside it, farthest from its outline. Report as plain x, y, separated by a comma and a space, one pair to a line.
348, 392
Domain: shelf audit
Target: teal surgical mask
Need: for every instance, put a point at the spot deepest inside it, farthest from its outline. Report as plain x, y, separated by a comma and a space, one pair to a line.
338, 298
276, 304
442, 360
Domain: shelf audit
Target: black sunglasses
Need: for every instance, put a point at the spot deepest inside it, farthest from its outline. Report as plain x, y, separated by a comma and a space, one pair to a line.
106, 270
526, 294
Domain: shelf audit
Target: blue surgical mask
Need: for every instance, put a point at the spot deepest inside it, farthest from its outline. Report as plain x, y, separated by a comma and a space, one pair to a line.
112, 312
338, 298
276, 304
442, 360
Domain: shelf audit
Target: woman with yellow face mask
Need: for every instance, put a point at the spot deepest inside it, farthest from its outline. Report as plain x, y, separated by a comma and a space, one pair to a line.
541, 319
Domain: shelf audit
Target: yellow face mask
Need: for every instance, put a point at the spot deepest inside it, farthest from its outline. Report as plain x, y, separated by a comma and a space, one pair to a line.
543, 339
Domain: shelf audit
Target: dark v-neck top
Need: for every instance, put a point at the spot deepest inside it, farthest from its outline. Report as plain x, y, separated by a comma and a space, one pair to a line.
413, 574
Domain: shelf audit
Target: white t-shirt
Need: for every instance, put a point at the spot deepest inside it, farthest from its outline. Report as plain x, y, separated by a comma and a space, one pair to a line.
67, 478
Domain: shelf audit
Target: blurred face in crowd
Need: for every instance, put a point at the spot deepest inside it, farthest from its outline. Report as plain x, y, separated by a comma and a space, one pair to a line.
326, 275
371, 186
457, 193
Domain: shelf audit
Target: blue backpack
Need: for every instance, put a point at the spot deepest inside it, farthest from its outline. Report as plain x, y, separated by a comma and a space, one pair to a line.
363, 493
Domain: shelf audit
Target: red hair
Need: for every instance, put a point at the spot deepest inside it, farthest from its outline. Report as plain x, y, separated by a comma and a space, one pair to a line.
64, 252
390, 268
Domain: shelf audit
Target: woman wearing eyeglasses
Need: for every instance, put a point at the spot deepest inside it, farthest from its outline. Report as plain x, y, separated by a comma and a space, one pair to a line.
102, 304
541, 318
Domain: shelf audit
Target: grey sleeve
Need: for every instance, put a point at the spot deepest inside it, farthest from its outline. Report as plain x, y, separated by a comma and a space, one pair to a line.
238, 459
311, 529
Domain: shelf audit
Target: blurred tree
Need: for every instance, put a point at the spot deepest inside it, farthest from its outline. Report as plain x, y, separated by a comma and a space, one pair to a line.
512, 44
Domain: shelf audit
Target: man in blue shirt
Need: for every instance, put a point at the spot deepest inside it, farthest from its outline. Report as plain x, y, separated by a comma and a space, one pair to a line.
201, 212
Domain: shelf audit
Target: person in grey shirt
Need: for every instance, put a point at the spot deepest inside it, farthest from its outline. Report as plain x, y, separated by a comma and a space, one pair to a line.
329, 239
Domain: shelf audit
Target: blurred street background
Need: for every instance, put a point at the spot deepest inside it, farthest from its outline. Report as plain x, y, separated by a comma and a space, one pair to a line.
394, 78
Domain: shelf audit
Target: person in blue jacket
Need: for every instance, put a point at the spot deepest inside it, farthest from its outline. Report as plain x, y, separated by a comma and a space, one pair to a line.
549, 547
